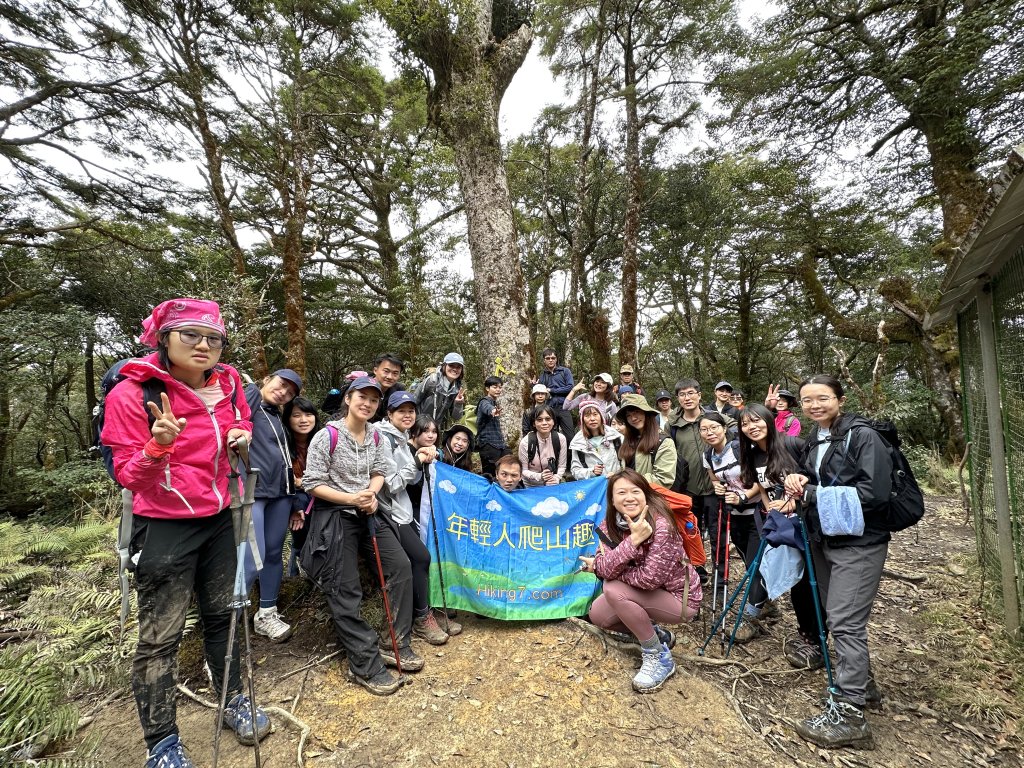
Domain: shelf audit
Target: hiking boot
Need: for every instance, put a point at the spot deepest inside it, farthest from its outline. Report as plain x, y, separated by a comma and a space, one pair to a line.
426, 628
747, 630
169, 753
452, 627
769, 611
665, 636
657, 667
840, 724
803, 654
872, 695
238, 717
411, 661
381, 684
271, 626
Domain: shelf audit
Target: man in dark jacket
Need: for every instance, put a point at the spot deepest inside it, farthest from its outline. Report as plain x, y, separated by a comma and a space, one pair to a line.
723, 397
489, 438
558, 379
387, 369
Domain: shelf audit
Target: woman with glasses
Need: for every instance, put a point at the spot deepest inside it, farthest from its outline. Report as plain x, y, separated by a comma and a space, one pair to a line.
766, 458
275, 495
844, 451
644, 447
740, 501
173, 456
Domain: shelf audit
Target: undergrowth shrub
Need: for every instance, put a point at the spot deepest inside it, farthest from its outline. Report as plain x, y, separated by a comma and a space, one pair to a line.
59, 600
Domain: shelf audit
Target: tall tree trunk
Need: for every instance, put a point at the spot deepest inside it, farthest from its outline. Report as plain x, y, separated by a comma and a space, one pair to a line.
634, 192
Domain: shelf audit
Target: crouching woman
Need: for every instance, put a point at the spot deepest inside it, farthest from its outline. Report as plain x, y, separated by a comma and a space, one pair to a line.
647, 578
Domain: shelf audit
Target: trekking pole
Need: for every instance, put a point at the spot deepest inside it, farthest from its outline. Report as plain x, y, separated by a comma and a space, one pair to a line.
241, 517
437, 546
809, 562
748, 577
718, 557
726, 607
725, 555
371, 523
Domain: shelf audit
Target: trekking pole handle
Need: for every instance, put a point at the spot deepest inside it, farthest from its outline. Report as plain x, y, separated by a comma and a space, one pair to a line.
240, 446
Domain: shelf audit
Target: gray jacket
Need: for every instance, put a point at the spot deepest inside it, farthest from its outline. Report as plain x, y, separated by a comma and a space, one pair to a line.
402, 471
351, 466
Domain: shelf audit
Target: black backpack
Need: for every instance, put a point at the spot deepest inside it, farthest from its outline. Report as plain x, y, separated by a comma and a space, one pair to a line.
682, 466
151, 391
906, 503
532, 446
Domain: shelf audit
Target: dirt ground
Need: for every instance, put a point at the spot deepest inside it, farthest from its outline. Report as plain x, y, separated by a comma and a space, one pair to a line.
513, 695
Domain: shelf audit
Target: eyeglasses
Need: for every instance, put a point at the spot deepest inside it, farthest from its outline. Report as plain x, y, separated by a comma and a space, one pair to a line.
191, 339
689, 393
711, 430
821, 400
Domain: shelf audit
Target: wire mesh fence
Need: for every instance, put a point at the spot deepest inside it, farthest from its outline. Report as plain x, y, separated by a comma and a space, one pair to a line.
1008, 309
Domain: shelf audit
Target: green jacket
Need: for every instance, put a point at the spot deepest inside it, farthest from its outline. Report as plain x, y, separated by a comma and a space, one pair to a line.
686, 436
663, 471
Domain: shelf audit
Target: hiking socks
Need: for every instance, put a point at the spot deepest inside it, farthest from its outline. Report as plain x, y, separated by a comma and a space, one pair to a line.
653, 644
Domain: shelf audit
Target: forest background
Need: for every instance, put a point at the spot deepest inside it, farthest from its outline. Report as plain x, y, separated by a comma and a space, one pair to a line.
718, 196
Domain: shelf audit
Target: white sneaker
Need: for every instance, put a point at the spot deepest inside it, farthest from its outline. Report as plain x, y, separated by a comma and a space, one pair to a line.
272, 626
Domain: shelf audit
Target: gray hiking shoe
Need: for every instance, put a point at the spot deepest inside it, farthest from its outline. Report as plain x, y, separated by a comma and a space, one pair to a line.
451, 626
840, 724
426, 628
169, 753
803, 654
238, 716
748, 629
657, 667
381, 684
411, 661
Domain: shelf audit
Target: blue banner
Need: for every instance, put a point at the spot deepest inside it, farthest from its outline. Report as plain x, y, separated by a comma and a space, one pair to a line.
514, 555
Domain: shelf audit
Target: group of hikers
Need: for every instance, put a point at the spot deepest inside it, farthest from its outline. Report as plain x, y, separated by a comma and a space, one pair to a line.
361, 482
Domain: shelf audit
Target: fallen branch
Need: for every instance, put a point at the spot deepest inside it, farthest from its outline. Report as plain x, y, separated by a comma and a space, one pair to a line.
311, 664
910, 578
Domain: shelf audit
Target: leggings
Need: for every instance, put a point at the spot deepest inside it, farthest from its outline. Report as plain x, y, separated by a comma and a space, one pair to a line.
624, 608
419, 558
270, 520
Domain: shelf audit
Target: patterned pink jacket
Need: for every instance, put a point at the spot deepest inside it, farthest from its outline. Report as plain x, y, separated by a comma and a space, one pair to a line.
655, 564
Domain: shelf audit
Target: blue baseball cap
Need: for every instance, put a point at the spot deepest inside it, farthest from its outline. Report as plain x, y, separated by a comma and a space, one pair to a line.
366, 382
399, 399
454, 358
290, 376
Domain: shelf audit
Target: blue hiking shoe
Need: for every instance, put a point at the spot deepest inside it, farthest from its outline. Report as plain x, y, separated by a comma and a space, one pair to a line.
238, 717
657, 667
169, 753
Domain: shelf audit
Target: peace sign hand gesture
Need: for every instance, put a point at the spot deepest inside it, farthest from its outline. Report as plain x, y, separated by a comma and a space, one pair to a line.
772, 398
640, 529
166, 428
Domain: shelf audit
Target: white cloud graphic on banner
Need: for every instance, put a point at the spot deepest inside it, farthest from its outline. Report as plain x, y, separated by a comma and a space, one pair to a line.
447, 485
550, 507
592, 510
494, 506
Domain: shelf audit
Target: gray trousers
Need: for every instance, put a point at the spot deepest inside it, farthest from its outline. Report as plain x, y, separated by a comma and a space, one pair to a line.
848, 579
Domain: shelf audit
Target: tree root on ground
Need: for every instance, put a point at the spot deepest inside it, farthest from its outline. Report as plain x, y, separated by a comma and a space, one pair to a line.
303, 729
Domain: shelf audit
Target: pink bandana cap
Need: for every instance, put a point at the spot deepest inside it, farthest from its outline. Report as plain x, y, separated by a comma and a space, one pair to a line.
590, 403
181, 313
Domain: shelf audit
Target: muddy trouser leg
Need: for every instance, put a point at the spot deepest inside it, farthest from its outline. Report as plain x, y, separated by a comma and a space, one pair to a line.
744, 536
855, 573
258, 510
215, 587
344, 594
803, 599
165, 578
419, 560
397, 575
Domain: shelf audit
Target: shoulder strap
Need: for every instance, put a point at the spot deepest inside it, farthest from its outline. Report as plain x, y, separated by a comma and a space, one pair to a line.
393, 439
654, 453
557, 443
151, 390
581, 458
333, 434
531, 447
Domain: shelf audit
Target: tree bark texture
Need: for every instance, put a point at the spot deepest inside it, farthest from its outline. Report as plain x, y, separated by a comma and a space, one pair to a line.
634, 194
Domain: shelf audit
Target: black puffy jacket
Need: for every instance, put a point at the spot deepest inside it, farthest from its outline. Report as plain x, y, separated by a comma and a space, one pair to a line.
864, 464
269, 448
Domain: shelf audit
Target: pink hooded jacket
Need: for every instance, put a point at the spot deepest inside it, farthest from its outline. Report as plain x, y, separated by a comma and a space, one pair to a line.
794, 428
192, 481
